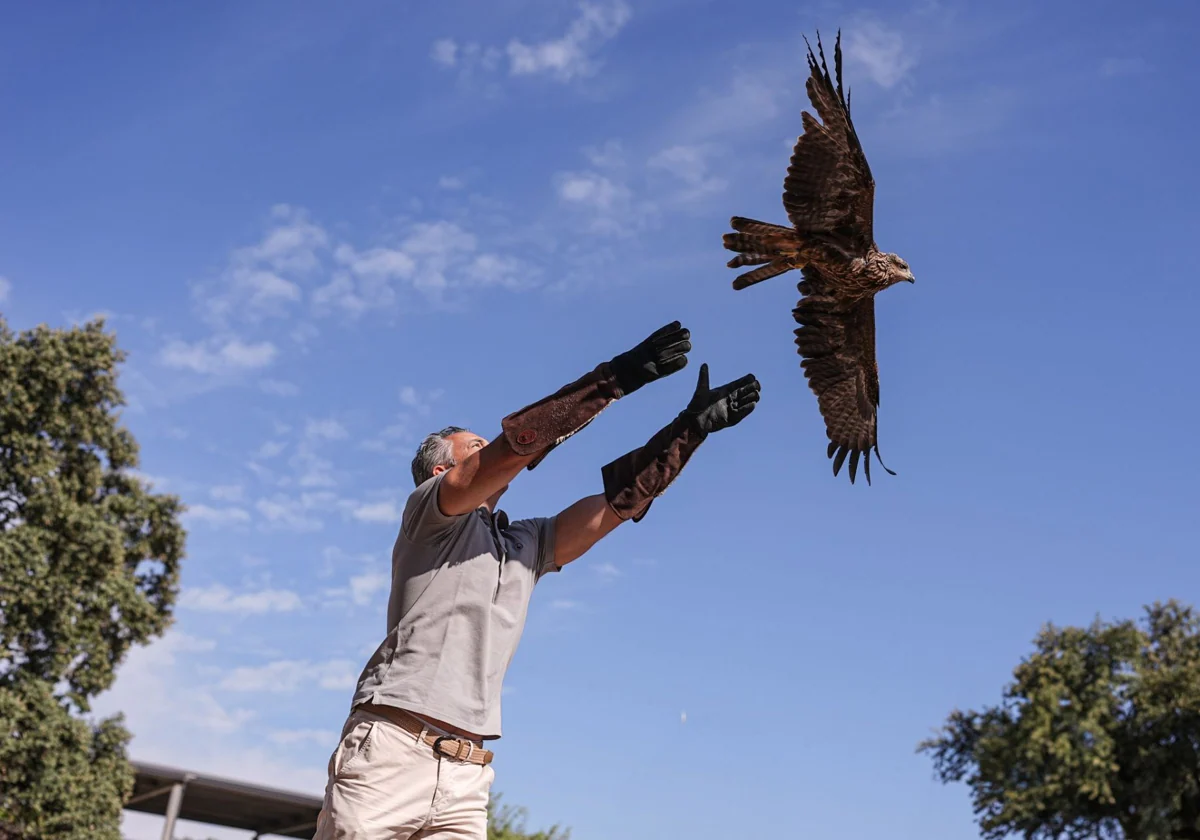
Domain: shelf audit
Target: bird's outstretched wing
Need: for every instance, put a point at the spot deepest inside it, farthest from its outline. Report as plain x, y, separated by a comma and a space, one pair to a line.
836, 341
829, 192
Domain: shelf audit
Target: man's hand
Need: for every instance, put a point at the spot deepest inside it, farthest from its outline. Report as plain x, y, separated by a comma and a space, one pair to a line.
661, 354
711, 410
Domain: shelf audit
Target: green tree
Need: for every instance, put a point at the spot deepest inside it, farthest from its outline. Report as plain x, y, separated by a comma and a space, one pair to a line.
89, 567
1097, 736
506, 822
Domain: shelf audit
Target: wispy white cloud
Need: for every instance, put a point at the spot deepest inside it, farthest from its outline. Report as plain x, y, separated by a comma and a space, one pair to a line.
218, 356
318, 737
573, 54
270, 449
384, 263
943, 123
880, 50
602, 195
5, 289
750, 98
326, 429
564, 604
227, 492
433, 247
220, 599
384, 512
418, 401
147, 685
278, 388
363, 587
215, 516
300, 514
690, 166
606, 570
569, 56
310, 469
163, 691
261, 280
432, 258
451, 182
392, 436
406, 426
366, 281
290, 674
444, 52
590, 189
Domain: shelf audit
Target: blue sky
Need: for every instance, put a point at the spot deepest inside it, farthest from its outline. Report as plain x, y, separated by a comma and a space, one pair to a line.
322, 230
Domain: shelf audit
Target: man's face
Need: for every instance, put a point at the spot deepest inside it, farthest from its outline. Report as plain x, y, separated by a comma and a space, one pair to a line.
462, 444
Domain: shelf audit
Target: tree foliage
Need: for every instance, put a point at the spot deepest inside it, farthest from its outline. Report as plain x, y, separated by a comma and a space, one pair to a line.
506, 822
1097, 736
89, 565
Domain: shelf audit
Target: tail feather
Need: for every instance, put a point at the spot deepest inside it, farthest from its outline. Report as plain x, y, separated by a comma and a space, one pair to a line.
744, 225
749, 259
758, 275
757, 243
745, 243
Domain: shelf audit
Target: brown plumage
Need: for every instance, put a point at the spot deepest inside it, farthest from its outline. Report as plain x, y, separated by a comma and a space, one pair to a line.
829, 197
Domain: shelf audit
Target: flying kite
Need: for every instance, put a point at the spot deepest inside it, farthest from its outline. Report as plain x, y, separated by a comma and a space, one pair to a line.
829, 197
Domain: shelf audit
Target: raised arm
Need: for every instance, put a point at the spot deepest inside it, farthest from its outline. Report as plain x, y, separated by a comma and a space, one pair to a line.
633, 481
581, 526
483, 473
538, 428
528, 435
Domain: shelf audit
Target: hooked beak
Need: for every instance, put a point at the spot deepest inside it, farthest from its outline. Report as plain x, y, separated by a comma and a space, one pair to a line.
910, 278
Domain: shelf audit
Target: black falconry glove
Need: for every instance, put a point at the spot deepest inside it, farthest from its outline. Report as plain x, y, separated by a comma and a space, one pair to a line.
543, 425
664, 352
633, 481
711, 410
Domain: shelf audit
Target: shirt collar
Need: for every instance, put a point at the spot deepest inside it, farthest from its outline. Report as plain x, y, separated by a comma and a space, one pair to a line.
499, 517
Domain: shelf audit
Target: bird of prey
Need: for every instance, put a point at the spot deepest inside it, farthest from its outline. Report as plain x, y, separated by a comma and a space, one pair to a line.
829, 197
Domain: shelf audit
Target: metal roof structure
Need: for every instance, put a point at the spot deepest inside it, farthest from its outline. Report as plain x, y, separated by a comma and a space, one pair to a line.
179, 794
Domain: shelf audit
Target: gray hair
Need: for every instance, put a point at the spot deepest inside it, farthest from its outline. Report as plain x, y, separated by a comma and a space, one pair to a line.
434, 450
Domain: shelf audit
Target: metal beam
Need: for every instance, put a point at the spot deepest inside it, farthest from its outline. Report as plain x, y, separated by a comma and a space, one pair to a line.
221, 801
150, 794
289, 829
173, 804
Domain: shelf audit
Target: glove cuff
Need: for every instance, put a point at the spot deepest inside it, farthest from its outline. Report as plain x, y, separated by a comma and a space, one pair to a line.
543, 425
633, 481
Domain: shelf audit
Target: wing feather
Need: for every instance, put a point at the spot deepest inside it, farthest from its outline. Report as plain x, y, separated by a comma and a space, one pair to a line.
829, 191
836, 342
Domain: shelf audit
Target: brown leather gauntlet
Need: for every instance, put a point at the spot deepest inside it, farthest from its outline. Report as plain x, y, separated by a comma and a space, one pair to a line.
548, 422
633, 481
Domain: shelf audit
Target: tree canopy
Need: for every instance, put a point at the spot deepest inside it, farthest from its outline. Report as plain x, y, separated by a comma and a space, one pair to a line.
89, 567
507, 822
1097, 736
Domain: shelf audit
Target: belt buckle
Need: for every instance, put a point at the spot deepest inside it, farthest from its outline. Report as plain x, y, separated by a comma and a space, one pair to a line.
437, 747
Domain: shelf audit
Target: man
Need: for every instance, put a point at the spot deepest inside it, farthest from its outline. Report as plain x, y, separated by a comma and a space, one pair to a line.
412, 761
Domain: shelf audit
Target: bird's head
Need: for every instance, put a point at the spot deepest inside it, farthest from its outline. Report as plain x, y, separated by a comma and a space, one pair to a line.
898, 270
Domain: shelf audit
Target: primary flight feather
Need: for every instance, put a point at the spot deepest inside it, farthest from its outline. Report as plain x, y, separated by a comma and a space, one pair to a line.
829, 197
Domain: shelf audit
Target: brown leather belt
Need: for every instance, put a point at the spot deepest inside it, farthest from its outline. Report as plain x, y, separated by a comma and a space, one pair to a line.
451, 746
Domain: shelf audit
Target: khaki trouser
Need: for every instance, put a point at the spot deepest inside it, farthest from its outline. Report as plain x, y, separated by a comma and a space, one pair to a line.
384, 784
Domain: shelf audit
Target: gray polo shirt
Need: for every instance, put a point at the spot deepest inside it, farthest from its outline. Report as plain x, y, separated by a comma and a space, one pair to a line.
460, 592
